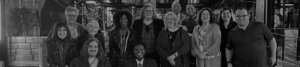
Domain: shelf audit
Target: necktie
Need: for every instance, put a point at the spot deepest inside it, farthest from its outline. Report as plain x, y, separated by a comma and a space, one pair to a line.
140, 65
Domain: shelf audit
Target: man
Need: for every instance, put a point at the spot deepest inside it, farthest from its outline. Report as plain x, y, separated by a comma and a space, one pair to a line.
246, 43
189, 23
139, 60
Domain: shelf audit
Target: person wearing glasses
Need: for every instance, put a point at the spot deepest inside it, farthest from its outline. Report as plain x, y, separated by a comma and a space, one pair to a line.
247, 42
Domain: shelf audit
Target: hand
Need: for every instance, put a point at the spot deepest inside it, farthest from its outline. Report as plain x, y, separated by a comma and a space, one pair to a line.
229, 65
273, 60
184, 28
202, 55
172, 57
172, 62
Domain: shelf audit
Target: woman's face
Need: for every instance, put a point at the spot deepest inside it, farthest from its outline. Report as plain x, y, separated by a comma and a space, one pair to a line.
62, 32
226, 15
93, 48
170, 21
71, 16
148, 13
93, 27
205, 17
123, 20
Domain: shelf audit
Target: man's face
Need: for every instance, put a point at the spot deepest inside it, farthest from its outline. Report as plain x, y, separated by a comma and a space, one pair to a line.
190, 10
242, 17
139, 51
71, 16
176, 8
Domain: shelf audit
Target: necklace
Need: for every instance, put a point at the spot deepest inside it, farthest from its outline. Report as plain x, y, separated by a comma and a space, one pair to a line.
92, 62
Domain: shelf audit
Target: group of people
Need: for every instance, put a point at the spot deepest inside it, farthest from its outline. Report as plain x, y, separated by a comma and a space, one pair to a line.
167, 42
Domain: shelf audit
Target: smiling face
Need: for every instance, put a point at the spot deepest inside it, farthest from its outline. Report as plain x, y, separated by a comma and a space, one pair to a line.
62, 32
190, 10
71, 16
170, 20
123, 20
93, 48
176, 8
148, 12
93, 27
205, 16
139, 51
226, 15
242, 17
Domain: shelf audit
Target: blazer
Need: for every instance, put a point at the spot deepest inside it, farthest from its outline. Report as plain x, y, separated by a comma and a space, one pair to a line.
146, 63
115, 51
83, 62
181, 45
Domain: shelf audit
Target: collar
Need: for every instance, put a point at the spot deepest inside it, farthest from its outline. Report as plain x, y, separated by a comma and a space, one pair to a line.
140, 62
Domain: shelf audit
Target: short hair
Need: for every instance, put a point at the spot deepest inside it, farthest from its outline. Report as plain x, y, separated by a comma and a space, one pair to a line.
145, 7
117, 16
198, 19
175, 3
53, 33
173, 15
242, 8
190, 5
71, 9
140, 43
84, 49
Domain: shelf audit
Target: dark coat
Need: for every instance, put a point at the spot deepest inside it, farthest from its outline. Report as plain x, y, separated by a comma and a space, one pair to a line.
83, 62
54, 55
115, 51
138, 27
181, 45
146, 63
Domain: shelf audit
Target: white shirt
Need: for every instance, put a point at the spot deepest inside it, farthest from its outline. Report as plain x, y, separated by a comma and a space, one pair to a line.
140, 62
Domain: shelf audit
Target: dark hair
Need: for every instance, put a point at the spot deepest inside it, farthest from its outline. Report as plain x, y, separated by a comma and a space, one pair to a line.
118, 16
53, 33
210, 14
221, 20
139, 43
84, 49
241, 8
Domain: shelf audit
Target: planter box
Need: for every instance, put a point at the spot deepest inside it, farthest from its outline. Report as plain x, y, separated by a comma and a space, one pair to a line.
25, 51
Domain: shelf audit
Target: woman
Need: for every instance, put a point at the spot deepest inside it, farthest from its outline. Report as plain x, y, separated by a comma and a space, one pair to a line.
226, 24
123, 39
92, 54
206, 41
60, 48
147, 29
92, 28
172, 43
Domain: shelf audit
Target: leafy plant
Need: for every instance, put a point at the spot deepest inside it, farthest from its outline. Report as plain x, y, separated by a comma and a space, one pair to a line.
22, 21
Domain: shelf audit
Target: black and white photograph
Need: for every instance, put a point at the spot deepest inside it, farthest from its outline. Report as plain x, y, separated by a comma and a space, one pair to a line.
149, 33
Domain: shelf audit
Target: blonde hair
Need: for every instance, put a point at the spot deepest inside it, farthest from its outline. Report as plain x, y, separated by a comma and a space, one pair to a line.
71, 9
145, 7
172, 15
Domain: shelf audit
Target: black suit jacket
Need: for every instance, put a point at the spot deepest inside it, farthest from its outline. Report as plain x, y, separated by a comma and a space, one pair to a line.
146, 63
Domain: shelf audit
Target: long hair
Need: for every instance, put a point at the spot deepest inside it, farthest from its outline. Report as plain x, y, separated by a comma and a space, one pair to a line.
53, 33
221, 20
198, 19
84, 50
117, 18
145, 7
